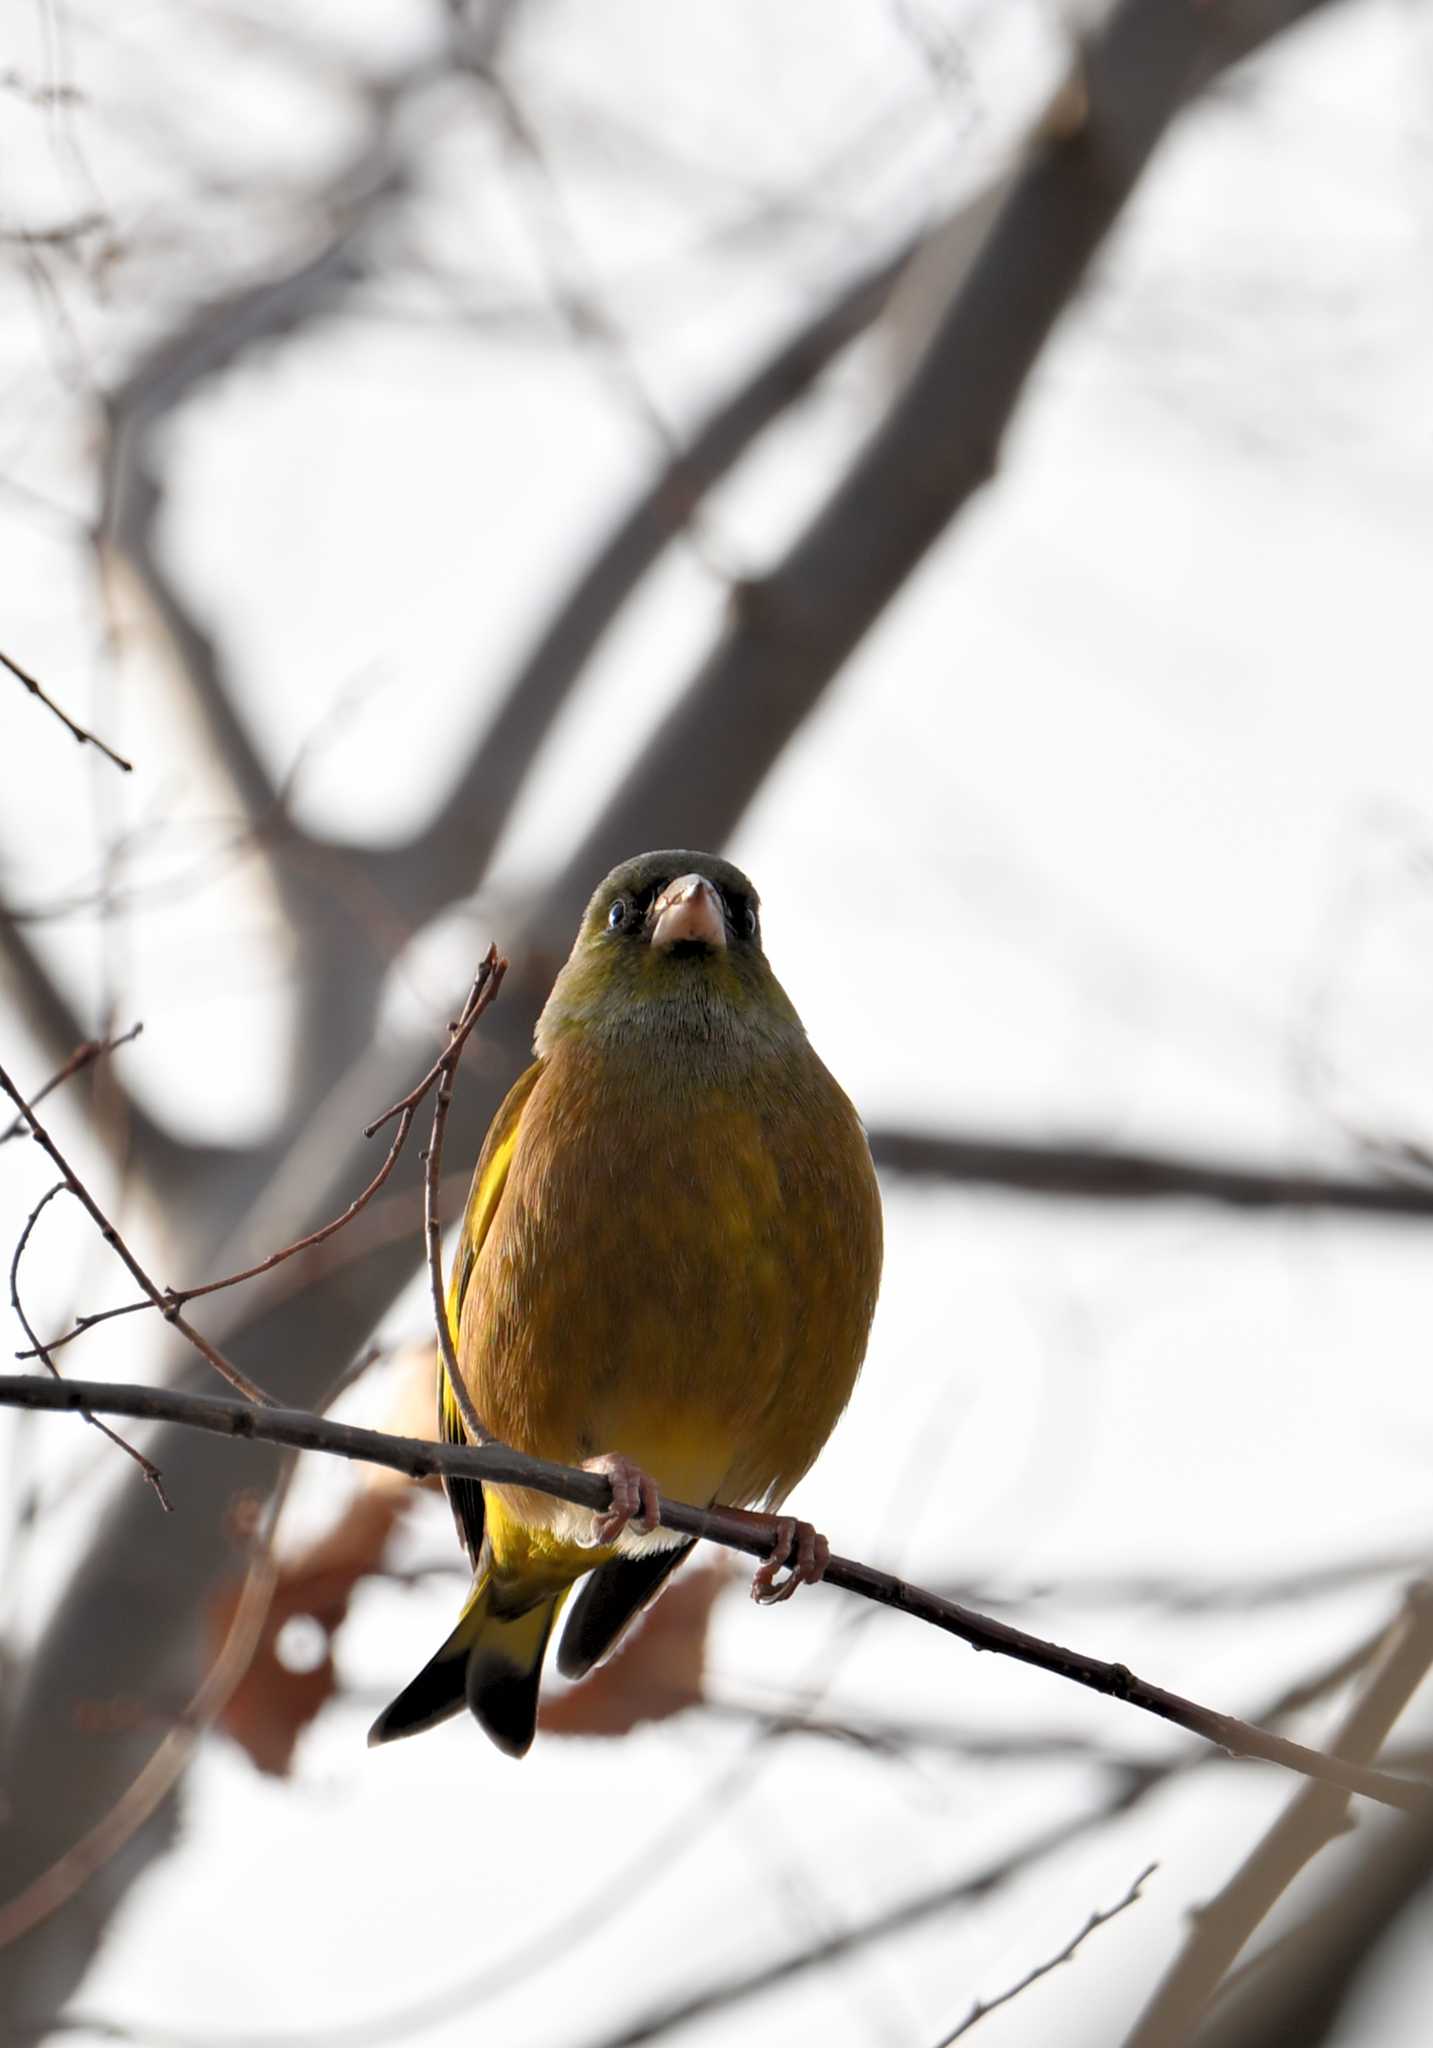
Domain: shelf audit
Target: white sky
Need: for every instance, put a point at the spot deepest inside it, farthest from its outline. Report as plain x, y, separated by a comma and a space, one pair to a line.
1128, 793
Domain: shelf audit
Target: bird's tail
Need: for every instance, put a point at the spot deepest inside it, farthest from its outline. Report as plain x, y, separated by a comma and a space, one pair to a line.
492, 1663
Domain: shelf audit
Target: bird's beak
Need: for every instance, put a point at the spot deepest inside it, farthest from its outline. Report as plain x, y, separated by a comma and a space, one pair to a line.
689, 909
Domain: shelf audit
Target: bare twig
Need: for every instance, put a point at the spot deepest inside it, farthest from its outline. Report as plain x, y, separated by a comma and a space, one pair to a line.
690, 788
81, 733
369, 1224
981, 2007
150, 1470
483, 992
491, 966
499, 1464
250, 1389
83, 1056
977, 1884
733, 1989
484, 989
1316, 1817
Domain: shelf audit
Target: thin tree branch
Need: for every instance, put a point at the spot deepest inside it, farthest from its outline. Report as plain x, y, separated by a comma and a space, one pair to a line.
1111, 1174
1098, 1919
1136, 1782
976, 1885
81, 733
1316, 1817
483, 992
1135, 1785
1064, 1172
500, 1465
150, 1471
696, 777
484, 989
83, 1056
250, 1389
486, 984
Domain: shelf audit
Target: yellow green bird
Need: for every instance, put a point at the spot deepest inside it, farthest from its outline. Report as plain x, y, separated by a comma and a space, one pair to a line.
668, 1267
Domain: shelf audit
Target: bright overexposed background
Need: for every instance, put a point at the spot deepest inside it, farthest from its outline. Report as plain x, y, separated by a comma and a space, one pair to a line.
1115, 828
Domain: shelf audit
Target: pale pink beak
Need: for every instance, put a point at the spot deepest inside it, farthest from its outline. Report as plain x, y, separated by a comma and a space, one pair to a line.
689, 908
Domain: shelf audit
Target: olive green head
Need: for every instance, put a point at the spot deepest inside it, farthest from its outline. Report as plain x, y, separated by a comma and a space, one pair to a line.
670, 942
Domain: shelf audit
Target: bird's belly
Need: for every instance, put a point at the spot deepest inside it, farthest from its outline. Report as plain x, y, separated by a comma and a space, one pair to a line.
681, 1291
676, 1368
687, 1460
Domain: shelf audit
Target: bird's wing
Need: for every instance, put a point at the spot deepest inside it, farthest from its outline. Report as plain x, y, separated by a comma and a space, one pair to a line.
489, 1179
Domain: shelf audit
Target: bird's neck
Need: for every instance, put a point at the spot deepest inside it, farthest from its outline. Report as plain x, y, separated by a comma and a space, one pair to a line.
691, 1025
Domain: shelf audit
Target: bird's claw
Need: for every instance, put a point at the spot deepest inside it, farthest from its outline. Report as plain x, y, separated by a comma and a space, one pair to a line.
635, 1498
797, 1549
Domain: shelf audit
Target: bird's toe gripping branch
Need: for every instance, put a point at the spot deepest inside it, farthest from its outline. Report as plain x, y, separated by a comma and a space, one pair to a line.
798, 1550
635, 1498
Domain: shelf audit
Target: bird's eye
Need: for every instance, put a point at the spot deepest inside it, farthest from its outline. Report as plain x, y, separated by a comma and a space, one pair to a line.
748, 920
617, 915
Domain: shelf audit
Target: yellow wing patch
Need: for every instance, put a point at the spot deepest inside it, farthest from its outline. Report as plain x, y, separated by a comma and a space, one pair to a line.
488, 1184
489, 1180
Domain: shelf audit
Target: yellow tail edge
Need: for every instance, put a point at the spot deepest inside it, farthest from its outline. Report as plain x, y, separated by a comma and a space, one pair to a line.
491, 1663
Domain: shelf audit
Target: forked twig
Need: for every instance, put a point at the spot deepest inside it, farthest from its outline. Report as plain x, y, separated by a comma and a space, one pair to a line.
483, 991
491, 970
178, 1297
149, 1469
73, 1185
981, 2007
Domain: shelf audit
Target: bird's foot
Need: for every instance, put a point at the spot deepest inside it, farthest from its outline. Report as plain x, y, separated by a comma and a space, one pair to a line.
797, 1549
635, 1498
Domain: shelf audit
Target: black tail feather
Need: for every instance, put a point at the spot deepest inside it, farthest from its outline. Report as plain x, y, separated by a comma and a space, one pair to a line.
436, 1694
505, 1674
609, 1599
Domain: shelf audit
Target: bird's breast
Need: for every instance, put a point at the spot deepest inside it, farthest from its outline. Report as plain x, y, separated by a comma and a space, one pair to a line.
683, 1272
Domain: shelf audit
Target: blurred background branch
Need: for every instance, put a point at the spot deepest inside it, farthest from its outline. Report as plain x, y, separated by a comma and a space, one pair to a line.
244, 224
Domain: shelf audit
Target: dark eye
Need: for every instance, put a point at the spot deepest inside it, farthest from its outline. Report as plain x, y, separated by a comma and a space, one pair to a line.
747, 920
617, 915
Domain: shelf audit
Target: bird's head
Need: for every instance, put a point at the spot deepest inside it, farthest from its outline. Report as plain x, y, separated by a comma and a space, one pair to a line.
670, 942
